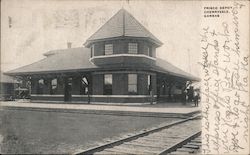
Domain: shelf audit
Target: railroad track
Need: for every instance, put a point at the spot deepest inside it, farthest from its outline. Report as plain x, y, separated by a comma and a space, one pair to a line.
193, 146
178, 137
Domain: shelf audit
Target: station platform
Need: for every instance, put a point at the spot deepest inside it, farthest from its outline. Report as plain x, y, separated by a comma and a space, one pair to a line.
146, 110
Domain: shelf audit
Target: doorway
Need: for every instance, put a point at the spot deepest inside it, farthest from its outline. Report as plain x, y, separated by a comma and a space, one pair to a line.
68, 89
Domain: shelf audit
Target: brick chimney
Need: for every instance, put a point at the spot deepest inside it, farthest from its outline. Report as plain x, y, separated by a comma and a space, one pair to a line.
69, 44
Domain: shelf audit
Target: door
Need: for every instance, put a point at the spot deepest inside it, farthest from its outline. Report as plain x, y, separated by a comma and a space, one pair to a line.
68, 89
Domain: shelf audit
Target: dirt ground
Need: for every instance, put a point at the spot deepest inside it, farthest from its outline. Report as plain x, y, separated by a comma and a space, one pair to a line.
34, 132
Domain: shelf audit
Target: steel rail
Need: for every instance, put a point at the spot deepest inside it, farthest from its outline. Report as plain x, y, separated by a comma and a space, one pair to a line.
180, 144
130, 138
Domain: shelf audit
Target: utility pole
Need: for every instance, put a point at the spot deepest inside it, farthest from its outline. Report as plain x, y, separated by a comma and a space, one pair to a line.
189, 64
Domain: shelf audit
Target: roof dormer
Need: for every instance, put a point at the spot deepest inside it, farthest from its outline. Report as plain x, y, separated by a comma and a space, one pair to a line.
122, 25
122, 40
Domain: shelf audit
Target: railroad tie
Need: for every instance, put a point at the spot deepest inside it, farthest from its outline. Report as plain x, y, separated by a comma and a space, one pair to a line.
195, 144
156, 141
191, 146
185, 150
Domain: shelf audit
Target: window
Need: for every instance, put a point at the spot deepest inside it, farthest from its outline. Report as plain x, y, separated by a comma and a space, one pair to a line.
92, 50
69, 81
132, 84
148, 50
149, 84
40, 86
41, 81
53, 86
132, 48
84, 86
107, 84
108, 49
54, 83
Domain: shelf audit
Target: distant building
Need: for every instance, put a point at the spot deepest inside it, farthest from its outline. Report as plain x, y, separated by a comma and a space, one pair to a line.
117, 64
7, 86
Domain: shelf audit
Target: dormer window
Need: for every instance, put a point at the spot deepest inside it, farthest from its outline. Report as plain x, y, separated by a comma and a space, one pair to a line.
108, 49
148, 51
132, 48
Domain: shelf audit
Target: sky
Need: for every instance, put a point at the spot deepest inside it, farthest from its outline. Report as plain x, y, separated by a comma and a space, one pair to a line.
30, 28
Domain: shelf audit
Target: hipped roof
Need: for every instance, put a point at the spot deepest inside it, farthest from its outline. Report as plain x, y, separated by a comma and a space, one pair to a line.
122, 24
77, 60
59, 60
6, 78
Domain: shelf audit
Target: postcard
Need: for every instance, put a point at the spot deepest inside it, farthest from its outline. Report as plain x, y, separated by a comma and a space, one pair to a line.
124, 77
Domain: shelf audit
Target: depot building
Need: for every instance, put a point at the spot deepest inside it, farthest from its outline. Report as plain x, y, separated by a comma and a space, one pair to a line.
117, 64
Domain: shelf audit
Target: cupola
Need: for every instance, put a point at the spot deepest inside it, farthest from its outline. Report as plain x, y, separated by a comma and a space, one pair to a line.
122, 40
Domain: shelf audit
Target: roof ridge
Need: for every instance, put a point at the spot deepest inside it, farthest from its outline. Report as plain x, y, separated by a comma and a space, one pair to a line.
123, 20
144, 28
57, 51
105, 24
66, 48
